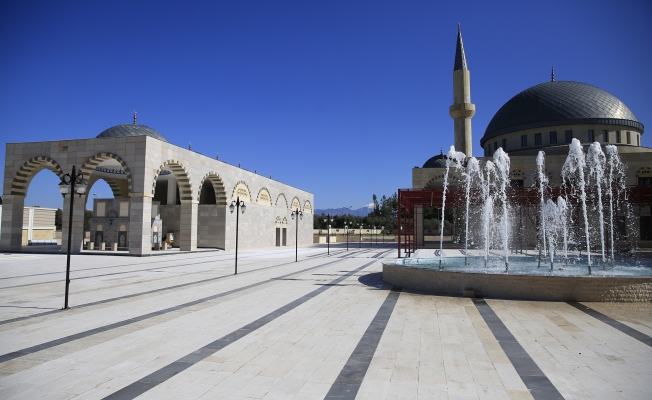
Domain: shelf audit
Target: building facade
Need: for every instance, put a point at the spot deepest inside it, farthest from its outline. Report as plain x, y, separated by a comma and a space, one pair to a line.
546, 117
151, 177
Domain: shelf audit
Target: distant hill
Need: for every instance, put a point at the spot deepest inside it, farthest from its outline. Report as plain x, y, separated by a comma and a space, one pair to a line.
360, 212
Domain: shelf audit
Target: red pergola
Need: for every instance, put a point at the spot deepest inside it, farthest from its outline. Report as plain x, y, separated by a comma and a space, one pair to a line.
456, 197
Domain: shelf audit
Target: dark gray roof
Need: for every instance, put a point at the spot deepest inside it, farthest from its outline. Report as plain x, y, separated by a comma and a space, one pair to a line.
129, 130
460, 57
560, 103
438, 161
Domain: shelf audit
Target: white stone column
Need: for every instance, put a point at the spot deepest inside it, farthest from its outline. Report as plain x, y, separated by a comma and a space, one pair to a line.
140, 224
77, 224
188, 225
12, 222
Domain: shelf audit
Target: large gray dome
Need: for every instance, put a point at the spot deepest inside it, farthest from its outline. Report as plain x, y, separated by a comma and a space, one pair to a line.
129, 130
560, 103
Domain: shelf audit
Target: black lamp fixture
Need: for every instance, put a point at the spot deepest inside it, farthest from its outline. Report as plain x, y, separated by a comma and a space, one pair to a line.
237, 204
328, 221
70, 184
297, 213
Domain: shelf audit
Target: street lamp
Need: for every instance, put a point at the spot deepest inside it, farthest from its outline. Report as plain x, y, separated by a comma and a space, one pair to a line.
237, 204
360, 245
346, 228
374, 236
298, 214
328, 221
71, 184
382, 229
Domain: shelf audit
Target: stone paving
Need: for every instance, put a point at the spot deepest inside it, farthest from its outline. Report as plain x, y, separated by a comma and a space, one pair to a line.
183, 326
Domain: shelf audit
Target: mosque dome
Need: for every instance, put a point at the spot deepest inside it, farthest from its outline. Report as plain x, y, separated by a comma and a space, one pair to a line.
560, 103
438, 161
130, 130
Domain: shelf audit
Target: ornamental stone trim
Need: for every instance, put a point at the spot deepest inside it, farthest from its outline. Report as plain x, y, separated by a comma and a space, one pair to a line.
27, 171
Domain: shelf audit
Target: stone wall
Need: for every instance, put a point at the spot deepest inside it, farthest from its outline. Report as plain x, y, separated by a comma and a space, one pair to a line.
521, 287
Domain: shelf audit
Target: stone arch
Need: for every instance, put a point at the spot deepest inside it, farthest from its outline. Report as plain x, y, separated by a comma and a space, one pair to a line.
644, 172
236, 192
30, 168
264, 197
307, 207
93, 162
183, 179
295, 202
284, 198
218, 187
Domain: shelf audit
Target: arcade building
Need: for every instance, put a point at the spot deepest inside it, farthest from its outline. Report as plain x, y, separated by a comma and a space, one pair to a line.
160, 191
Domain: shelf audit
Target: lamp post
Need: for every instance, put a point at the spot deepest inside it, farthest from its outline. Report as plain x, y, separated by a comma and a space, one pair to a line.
382, 229
328, 221
375, 235
346, 228
361, 225
298, 214
67, 186
237, 205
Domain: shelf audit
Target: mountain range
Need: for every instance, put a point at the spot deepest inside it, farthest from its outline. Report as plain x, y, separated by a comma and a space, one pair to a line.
360, 212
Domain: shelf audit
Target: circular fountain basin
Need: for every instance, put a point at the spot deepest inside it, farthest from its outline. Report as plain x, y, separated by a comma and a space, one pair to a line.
628, 281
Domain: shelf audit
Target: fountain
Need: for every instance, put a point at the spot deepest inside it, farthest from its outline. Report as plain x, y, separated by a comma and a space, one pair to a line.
567, 221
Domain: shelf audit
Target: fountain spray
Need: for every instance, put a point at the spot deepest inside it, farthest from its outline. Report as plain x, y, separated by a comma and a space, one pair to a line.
596, 161
562, 208
612, 151
543, 182
575, 162
501, 160
455, 158
487, 208
472, 167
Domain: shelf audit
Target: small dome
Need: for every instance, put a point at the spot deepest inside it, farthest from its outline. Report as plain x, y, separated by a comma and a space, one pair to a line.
438, 161
129, 130
560, 103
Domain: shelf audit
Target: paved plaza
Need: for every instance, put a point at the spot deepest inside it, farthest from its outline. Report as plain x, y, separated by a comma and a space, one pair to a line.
183, 326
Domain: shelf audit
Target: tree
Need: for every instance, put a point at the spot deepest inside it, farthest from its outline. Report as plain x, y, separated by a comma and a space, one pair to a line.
88, 214
58, 219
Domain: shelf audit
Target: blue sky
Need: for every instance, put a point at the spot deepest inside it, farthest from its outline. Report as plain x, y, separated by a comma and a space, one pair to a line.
338, 98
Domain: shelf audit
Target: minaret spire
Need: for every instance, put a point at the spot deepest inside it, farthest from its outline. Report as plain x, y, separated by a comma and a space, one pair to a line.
460, 57
552, 75
462, 109
135, 116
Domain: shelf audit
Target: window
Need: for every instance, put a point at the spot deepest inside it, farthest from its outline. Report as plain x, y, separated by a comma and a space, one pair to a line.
591, 136
605, 136
645, 181
645, 227
553, 137
638, 140
629, 137
618, 137
495, 146
537, 139
524, 141
505, 144
516, 182
569, 136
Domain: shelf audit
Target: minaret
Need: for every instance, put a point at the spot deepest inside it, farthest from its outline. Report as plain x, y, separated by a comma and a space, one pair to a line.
462, 109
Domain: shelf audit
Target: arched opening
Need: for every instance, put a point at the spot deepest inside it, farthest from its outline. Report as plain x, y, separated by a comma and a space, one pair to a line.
173, 201
107, 198
211, 221
19, 222
43, 210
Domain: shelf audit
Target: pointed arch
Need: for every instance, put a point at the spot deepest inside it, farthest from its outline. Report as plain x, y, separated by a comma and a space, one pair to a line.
218, 187
241, 189
181, 174
643, 172
284, 199
264, 197
91, 163
307, 207
295, 203
30, 168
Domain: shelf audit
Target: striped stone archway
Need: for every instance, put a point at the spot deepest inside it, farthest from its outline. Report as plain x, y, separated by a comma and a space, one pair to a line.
183, 179
30, 168
218, 187
88, 167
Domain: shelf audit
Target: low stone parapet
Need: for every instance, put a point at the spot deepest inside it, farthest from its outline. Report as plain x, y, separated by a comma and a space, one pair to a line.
521, 287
